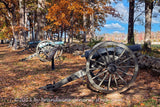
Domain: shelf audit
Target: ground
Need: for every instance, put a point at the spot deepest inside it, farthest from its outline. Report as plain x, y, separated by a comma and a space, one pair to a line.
19, 83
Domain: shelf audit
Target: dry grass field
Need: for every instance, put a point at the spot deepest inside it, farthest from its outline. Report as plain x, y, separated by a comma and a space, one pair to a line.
20, 82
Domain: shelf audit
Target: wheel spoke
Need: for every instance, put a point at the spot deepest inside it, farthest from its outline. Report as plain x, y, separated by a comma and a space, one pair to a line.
103, 79
124, 72
43, 56
121, 54
107, 55
125, 60
44, 53
125, 66
99, 71
98, 74
121, 78
98, 62
103, 57
95, 68
114, 53
109, 82
115, 80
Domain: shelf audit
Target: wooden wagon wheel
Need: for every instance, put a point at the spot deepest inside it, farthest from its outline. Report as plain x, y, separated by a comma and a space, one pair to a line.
43, 49
32, 47
59, 52
111, 67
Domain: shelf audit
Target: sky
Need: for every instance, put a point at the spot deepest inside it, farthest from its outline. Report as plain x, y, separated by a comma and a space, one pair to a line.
116, 25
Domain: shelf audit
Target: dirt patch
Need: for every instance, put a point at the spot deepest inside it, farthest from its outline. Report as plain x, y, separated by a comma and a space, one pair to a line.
19, 83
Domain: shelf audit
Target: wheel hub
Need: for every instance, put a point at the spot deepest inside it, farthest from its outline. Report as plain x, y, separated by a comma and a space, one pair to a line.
112, 68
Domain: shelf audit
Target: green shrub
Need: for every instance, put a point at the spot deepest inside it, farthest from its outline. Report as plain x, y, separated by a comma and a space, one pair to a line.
94, 41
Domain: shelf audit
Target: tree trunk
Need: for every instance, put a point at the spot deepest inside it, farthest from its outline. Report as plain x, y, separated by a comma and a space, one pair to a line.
40, 20
2, 42
12, 18
65, 35
148, 20
131, 22
15, 36
15, 43
61, 33
58, 35
34, 26
84, 24
22, 23
69, 37
72, 39
92, 25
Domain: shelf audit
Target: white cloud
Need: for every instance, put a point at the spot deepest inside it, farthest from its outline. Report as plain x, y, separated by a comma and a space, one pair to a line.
156, 10
139, 14
155, 14
122, 10
155, 20
114, 26
116, 32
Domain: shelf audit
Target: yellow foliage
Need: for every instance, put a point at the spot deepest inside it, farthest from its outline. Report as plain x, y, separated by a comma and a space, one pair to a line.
5, 32
57, 23
46, 28
63, 15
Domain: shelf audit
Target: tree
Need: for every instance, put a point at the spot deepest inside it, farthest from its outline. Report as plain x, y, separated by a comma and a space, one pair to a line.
149, 5
22, 22
68, 14
131, 22
74, 16
3, 22
84, 23
11, 7
148, 20
34, 15
40, 19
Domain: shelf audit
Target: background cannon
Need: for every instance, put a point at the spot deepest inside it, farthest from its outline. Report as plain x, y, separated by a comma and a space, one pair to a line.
30, 46
110, 67
47, 49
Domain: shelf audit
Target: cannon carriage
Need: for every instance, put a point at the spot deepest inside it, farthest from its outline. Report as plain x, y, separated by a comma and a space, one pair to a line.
110, 67
46, 49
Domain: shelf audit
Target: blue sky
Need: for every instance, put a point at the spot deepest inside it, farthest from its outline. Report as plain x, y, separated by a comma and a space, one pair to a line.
116, 25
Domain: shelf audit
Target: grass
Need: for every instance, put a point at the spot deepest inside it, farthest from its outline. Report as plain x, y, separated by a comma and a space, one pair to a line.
148, 103
155, 52
156, 46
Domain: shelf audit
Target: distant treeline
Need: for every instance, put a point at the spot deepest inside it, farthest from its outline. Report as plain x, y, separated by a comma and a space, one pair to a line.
139, 37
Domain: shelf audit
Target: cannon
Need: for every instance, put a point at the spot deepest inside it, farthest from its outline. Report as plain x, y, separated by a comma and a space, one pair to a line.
46, 49
110, 67
30, 46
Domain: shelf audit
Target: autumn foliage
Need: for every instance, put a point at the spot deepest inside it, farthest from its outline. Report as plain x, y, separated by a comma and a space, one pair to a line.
69, 14
57, 17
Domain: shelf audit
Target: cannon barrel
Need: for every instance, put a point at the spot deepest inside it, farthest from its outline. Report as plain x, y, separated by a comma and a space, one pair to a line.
136, 47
